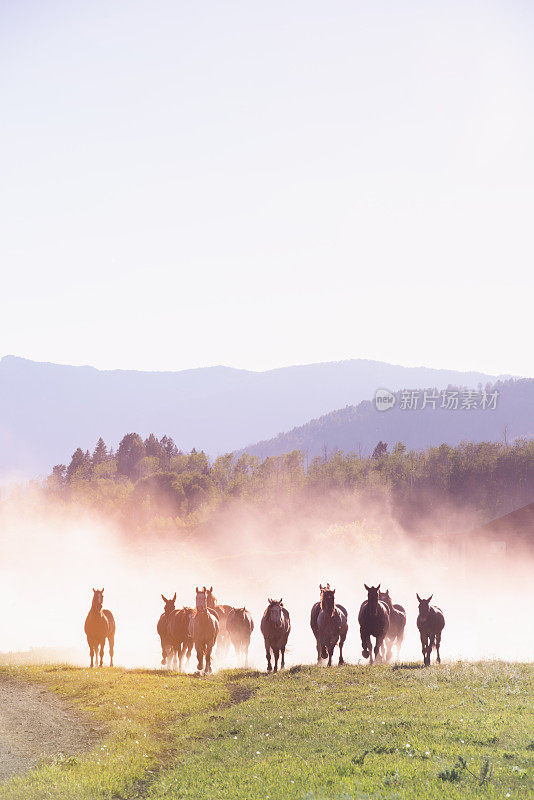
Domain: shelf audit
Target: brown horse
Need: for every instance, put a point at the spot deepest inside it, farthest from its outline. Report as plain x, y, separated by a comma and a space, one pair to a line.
374, 621
222, 612
205, 626
163, 629
397, 623
430, 622
240, 625
181, 636
329, 623
275, 626
99, 626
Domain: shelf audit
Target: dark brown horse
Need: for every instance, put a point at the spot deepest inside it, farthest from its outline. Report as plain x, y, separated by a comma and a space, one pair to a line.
205, 627
329, 623
163, 629
430, 622
374, 621
275, 626
99, 626
222, 612
181, 632
240, 625
397, 623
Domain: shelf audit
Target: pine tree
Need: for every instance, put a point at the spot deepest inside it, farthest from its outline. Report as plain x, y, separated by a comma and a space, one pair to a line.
100, 453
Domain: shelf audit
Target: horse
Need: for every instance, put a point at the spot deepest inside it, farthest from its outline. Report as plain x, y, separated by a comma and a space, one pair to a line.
374, 621
205, 628
329, 623
275, 627
99, 626
181, 635
222, 613
397, 623
430, 622
240, 625
163, 629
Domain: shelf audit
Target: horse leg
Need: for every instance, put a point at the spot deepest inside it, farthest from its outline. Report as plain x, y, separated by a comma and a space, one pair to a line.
276, 653
431, 645
366, 645
378, 644
101, 647
208, 659
111, 641
341, 643
370, 650
92, 652
438, 642
283, 654
246, 655
268, 656
331, 648
200, 658
423, 646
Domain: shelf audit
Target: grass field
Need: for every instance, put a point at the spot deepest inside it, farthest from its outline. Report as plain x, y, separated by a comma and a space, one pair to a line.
455, 731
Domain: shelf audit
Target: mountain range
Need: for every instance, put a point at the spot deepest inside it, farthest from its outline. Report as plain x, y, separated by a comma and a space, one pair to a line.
47, 410
359, 428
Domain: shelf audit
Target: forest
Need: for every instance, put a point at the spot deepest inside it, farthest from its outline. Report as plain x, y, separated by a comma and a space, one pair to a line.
150, 484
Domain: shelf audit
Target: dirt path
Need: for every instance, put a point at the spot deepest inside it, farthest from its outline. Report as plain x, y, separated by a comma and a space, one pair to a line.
36, 724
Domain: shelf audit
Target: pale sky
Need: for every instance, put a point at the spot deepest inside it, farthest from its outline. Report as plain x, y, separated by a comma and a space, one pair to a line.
261, 184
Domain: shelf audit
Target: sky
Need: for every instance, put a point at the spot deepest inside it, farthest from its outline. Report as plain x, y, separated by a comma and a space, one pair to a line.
263, 184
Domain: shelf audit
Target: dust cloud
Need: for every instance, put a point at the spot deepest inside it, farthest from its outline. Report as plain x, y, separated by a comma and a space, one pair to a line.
50, 558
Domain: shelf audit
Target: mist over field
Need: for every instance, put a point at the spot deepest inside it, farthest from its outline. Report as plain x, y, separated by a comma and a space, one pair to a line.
51, 557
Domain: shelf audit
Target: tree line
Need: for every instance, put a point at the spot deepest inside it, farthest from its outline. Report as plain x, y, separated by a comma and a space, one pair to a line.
149, 480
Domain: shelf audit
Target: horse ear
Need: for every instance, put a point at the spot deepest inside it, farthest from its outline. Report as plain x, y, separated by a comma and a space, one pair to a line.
269, 600
196, 589
378, 587
174, 598
94, 590
431, 596
211, 589
280, 601
163, 598
366, 587
418, 597
102, 590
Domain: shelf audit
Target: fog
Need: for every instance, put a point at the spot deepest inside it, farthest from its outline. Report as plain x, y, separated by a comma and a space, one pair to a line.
50, 558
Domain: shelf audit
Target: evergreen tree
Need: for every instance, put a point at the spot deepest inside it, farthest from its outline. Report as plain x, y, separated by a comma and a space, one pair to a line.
100, 453
131, 451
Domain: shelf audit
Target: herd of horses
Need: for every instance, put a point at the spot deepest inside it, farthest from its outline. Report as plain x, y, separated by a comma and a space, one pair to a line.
210, 623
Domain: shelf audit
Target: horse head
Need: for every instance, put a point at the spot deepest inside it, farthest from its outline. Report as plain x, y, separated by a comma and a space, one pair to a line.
328, 599
373, 596
201, 599
98, 599
424, 605
275, 614
385, 597
211, 599
169, 603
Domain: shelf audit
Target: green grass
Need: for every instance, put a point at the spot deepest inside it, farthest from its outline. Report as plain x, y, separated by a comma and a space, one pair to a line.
454, 731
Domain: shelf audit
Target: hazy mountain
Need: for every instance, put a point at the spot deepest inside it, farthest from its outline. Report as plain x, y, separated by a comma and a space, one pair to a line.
359, 428
47, 410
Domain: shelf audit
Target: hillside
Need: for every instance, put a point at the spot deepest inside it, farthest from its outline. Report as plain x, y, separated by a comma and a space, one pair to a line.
358, 428
47, 410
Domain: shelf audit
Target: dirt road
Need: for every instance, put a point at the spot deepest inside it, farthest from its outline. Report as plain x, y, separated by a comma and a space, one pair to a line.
35, 724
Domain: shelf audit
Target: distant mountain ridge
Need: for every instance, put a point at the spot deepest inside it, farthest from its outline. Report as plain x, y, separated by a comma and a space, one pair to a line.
47, 410
359, 428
